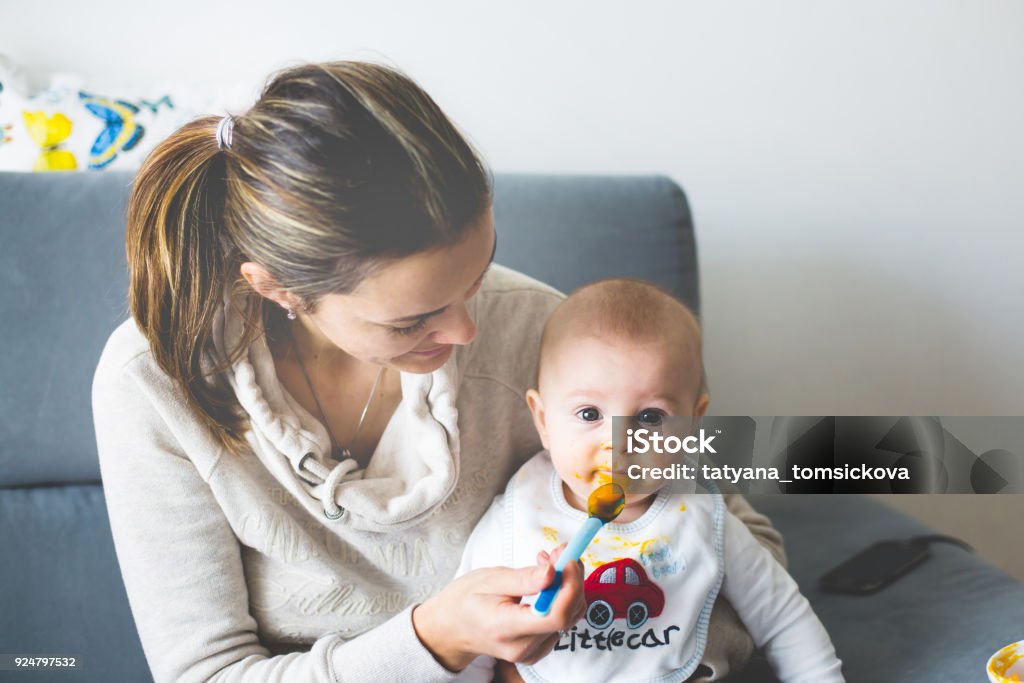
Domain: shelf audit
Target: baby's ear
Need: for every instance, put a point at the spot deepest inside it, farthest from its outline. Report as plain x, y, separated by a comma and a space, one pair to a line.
701, 406
537, 411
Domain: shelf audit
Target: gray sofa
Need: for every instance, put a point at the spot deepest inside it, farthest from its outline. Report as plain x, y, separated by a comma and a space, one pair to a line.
63, 289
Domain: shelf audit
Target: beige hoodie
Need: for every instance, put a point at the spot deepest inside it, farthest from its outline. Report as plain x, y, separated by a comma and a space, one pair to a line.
283, 565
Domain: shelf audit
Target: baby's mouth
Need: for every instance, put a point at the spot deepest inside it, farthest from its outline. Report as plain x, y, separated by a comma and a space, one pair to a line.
606, 475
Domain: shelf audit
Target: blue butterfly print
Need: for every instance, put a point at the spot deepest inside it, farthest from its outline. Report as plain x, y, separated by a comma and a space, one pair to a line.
121, 132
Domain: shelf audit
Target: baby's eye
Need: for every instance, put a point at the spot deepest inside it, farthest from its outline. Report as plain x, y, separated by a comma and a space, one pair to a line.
650, 416
589, 414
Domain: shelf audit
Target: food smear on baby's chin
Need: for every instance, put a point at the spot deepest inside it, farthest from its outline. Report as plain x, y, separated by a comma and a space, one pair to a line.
605, 477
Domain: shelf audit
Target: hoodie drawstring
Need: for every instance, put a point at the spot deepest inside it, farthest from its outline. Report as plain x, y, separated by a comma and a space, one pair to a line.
327, 481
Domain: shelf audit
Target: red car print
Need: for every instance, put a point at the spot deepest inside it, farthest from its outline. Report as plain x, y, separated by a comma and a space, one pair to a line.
621, 590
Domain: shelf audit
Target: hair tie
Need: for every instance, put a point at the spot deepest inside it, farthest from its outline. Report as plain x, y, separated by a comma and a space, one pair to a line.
224, 130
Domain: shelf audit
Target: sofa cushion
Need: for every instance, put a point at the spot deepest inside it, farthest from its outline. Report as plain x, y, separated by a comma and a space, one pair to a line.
62, 588
63, 285
938, 623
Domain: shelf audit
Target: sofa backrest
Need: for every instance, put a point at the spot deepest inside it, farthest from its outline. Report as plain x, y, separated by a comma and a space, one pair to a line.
63, 290
63, 285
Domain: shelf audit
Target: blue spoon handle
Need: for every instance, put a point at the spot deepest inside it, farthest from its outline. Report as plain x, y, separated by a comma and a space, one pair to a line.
572, 552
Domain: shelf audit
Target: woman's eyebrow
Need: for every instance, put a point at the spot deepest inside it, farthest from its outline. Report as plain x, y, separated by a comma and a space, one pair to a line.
418, 316
439, 311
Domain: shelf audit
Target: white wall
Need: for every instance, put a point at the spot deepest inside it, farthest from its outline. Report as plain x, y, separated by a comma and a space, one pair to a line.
856, 169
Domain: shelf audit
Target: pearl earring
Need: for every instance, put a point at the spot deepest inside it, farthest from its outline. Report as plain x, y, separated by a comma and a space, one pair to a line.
291, 313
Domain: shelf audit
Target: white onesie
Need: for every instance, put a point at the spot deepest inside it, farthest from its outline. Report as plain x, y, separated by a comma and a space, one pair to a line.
650, 586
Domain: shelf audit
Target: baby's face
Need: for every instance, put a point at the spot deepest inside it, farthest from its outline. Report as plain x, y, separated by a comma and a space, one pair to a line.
585, 381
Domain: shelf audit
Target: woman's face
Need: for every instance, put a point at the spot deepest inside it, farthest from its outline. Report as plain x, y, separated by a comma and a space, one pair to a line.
409, 314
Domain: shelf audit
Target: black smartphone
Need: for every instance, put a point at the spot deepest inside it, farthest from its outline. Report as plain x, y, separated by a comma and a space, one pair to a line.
875, 567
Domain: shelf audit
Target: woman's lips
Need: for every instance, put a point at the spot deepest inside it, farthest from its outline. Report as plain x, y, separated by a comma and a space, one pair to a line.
432, 353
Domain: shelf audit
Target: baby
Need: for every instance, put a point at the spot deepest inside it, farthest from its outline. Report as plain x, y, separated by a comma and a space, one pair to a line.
626, 348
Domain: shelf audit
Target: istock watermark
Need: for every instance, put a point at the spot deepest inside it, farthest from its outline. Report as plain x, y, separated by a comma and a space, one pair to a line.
642, 441
820, 454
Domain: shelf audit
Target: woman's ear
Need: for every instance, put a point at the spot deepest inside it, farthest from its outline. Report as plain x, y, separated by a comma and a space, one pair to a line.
537, 411
264, 284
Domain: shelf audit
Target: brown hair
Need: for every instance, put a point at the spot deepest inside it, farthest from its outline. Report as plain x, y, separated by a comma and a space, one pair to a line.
336, 169
624, 308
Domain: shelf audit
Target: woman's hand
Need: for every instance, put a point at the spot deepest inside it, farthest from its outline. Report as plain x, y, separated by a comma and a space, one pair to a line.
479, 614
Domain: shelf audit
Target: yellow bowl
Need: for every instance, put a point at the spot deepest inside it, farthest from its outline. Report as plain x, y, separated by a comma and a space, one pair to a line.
1007, 665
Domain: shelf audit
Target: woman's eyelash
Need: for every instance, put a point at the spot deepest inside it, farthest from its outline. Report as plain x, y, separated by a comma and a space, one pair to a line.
415, 327
420, 324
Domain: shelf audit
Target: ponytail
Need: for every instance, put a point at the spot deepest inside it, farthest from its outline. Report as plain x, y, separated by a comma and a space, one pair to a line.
180, 260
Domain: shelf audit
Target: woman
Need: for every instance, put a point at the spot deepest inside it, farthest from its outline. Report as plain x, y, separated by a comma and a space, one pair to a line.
306, 280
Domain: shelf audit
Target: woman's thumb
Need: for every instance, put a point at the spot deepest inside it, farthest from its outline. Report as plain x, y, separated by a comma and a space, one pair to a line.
520, 582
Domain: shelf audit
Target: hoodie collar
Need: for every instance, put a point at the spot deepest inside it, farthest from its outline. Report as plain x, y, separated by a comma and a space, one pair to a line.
412, 471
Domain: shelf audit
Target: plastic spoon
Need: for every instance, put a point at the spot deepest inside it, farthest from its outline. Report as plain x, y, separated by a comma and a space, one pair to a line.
603, 505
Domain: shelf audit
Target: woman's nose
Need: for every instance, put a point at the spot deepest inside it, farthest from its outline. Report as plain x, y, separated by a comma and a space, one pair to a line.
456, 327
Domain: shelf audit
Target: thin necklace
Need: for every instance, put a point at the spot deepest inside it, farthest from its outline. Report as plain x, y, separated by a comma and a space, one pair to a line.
337, 451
